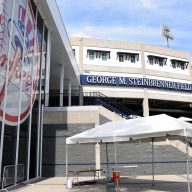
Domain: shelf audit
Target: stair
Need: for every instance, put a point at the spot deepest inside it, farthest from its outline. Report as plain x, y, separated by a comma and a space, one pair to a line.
180, 145
97, 98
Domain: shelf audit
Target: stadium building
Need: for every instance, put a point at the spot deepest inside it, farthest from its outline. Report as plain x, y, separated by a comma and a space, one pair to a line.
52, 87
144, 78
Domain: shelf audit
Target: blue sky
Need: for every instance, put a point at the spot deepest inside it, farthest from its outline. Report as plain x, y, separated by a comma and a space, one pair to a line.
130, 20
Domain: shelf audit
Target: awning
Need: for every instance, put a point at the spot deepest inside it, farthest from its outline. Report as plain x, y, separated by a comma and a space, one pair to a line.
157, 126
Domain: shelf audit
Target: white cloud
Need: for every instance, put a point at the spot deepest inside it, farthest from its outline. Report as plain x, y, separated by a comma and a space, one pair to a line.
147, 3
117, 4
115, 31
139, 33
131, 20
154, 4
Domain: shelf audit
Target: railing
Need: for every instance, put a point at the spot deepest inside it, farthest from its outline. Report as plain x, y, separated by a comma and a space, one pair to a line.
90, 98
189, 142
97, 98
8, 177
54, 99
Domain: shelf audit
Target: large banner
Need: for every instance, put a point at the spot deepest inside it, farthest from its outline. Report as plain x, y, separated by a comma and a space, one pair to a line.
23, 59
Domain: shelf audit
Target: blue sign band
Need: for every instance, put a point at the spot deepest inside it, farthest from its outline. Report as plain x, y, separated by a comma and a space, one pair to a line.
134, 82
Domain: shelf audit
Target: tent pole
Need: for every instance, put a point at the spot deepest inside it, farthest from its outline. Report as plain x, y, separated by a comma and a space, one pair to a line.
187, 154
153, 182
107, 157
66, 165
117, 182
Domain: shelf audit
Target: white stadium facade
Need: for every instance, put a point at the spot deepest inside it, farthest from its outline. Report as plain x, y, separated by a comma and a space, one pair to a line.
52, 87
145, 78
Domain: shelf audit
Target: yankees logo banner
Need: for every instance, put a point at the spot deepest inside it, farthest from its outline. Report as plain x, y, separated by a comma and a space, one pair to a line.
21, 59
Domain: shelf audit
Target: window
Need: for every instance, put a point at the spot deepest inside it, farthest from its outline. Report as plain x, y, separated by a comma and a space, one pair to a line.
121, 57
151, 61
182, 66
130, 57
104, 56
173, 65
91, 55
179, 64
161, 61
133, 58
98, 54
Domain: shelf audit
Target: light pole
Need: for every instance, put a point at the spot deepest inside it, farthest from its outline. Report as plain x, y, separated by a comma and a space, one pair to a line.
165, 32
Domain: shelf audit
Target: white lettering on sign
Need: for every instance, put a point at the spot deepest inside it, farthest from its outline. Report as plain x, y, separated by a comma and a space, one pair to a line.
136, 82
101, 80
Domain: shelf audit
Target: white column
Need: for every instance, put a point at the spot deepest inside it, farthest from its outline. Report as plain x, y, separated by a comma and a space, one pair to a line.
97, 156
61, 84
97, 151
69, 92
48, 69
145, 99
145, 107
145, 104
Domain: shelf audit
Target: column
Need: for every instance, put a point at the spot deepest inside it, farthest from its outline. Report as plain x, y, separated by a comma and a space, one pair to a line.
145, 104
97, 156
69, 92
48, 69
81, 55
61, 85
80, 95
145, 99
97, 151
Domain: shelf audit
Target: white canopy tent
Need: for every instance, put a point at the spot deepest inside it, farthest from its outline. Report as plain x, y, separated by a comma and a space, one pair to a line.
142, 129
187, 119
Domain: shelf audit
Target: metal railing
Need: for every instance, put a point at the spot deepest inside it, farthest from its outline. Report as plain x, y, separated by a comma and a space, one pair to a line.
8, 177
54, 99
90, 98
189, 142
97, 98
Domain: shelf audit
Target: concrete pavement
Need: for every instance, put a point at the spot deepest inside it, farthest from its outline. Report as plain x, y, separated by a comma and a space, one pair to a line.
163, 183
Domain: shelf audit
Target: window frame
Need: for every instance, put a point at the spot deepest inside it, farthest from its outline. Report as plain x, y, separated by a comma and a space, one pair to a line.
91, 55
133, 58
121, 57
104, 56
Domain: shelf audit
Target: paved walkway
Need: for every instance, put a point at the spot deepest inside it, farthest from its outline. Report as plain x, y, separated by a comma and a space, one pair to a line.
165, 183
